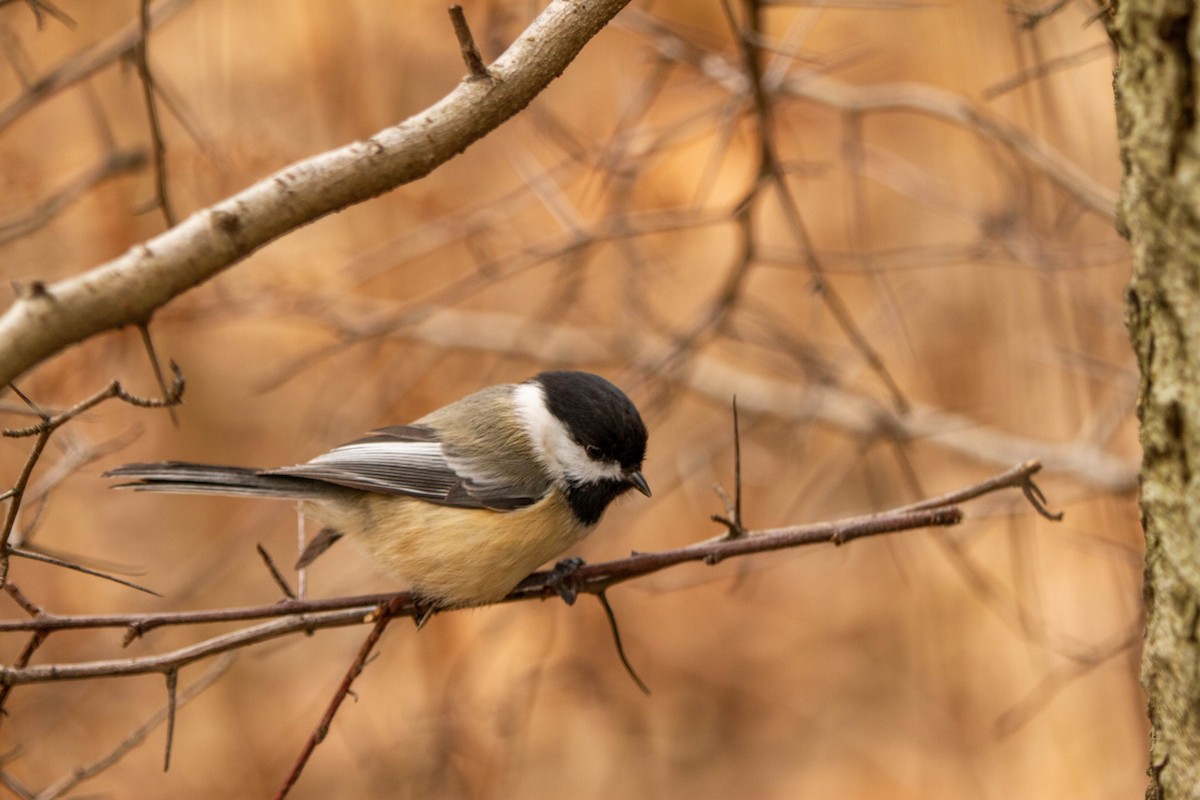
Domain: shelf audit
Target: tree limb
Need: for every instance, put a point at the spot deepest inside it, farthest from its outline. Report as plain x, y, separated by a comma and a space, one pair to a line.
130, 288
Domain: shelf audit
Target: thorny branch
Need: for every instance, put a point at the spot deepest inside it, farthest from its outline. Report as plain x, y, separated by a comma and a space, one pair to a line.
293, 616
382, 616
132, 740
45, 428
290, 616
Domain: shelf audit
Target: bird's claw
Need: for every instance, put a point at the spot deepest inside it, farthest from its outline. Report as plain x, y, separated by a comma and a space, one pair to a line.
563, 581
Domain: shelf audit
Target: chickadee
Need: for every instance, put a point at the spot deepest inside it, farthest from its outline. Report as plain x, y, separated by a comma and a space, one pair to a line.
469, 499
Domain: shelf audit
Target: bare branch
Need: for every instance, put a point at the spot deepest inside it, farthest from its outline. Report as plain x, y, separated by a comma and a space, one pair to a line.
382, 617
293, 616
128, 289
138, 735
591, 578
911, 98
43, 431
1047, 67
85, 64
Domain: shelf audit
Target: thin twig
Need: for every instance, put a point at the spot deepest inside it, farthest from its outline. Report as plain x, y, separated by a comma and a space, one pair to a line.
172, 684
14, 499
156, 365
138, 735
616, 634
31, 646
43, 430
1018, 477
1032, 17
174, 395
46, 558
43, 8
733, 508
771, 172
276, 575
466, 42
383, 616
141, 57
1045, 68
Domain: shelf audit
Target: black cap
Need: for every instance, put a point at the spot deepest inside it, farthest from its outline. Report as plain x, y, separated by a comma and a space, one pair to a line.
596, 414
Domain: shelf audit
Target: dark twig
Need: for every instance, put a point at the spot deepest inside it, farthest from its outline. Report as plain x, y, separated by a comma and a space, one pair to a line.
1018, 477
602, 596
476, 69
172, 684
383, 615
31, 646
733, 509
772, 173
1032, 17
44, 429
174, 395
156, 365
141, 57
737, 466
280, 581
79, 774
46, 558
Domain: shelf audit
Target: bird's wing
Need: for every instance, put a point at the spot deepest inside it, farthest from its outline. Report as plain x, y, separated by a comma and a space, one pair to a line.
410, 460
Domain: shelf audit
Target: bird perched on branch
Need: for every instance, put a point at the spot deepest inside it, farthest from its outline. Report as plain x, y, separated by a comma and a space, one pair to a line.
466, 501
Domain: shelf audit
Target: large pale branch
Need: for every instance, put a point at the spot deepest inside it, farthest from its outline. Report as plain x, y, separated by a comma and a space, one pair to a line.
47, 318
1084, 458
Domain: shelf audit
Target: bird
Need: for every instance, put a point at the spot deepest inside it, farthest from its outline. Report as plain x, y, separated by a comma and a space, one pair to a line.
464, 502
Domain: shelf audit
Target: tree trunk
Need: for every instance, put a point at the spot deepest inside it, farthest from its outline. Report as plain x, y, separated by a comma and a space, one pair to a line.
1159, 212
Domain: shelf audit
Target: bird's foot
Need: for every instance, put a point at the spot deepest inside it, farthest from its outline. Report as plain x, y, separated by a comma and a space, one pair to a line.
563, 581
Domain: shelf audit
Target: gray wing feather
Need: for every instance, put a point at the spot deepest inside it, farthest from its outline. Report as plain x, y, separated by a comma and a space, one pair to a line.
410, 460
185, 478
390, 467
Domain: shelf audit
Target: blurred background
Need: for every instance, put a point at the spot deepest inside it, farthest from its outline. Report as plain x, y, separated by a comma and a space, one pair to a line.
943, 242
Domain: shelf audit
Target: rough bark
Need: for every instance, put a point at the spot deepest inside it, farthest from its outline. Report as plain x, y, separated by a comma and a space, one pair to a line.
1155, 88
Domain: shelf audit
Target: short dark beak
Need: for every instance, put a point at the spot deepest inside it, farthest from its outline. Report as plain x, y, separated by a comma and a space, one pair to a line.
636, 480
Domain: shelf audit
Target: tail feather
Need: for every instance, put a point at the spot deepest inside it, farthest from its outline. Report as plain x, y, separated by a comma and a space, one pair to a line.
181, 477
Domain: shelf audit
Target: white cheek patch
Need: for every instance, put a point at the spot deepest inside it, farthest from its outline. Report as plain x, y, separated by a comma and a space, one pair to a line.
553, 445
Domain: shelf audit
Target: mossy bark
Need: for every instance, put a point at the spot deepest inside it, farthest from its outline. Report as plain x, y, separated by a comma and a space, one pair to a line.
1158, 42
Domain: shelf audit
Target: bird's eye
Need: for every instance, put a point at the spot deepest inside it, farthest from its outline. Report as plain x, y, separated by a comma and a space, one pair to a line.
593, 452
